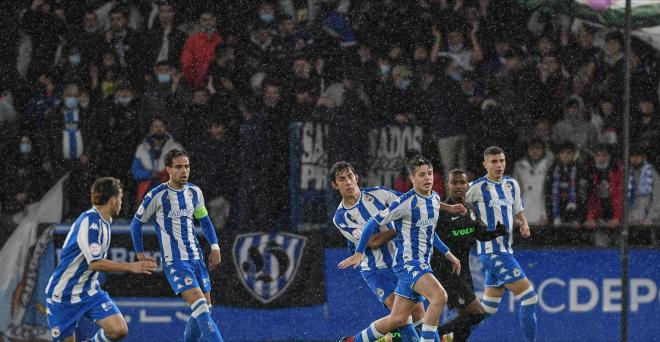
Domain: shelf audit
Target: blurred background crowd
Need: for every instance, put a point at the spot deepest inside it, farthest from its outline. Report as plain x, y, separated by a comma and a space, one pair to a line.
106, 88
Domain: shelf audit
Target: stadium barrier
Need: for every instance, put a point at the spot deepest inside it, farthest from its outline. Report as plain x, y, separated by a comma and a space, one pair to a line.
579, 297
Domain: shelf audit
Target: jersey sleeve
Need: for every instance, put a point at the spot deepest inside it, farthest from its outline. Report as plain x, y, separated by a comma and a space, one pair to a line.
89, 239
352, 234
517, 200
200, 208
147, 208
388, 195
394, 212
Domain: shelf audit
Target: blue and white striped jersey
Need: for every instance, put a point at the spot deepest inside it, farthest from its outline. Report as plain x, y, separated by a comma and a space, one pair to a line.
496, 202
414, 218
350, 222
171, 212
87, 241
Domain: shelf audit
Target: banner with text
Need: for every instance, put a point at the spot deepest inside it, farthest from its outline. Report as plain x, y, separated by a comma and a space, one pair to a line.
387, 149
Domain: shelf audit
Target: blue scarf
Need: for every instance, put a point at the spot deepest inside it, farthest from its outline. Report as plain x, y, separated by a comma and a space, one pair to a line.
644, 186
556, 191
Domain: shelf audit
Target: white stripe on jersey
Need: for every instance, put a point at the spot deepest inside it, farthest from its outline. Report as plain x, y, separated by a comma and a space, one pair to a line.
68, 274
177, 227
191, 232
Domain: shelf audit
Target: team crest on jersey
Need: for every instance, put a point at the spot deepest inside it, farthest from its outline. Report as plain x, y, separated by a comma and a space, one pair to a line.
267, 263
368, 198
55, 332
473, 216
95, 249
385, 212
357, 233
516, 272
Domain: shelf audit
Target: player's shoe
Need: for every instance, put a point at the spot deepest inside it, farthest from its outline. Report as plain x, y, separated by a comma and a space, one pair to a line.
346, 339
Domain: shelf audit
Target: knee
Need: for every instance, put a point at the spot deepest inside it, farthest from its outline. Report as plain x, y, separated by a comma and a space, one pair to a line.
117, 332
439, 298
399, 320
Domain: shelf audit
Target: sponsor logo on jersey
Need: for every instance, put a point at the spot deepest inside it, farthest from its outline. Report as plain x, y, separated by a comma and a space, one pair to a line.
462, 232
95, 249
421, 223
180, 213
500, 202
253, 249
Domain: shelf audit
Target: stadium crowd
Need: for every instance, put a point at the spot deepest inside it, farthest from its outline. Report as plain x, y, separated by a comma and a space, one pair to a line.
106, 88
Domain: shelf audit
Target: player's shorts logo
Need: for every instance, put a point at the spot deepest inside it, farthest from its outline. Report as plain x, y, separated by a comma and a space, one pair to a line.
380, 292
516, 272
269, 261
55, 332
187, 280
424, 266
106, 306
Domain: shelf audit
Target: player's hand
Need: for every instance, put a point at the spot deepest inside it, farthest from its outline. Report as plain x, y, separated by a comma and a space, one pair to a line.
457, 209
214, 259
353, 260
500, 229
455, 263
143, 267
524, 230
142, 257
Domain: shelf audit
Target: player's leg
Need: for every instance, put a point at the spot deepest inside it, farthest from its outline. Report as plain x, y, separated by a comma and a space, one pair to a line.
524, 292
113, 328
382, 283
61, 321
200, 313
491, 299
398, 317
470, 311
407, 331
428, 286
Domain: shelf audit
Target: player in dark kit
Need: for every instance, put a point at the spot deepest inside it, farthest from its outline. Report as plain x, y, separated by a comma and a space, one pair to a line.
460, 233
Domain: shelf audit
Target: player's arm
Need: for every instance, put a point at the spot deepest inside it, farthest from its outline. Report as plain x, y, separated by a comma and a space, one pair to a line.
524, 225
202, 215
381, 238
142, 216
453, 208
105, 265
519, 214
440, 246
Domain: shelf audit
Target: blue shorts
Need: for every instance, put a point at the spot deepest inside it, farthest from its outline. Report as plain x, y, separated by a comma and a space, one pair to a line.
500, 269
63, 317
382, 282
187, 274
408, 274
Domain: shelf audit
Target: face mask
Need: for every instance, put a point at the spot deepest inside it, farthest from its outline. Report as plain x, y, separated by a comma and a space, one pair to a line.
456, 76
25, 148
266, 17
74, 59
164, 78
602, 167
124, 100
70, 102
404, 84
384, 69
209, 30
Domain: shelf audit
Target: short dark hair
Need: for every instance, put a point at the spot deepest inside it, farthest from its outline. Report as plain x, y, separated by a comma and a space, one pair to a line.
105, 188
566, 146
173, 154
457, 172
416, 162
602, 148
493, 150
338, 167
121, 10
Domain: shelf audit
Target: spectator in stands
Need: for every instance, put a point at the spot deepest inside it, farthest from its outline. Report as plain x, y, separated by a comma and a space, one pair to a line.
125, 42
107, 77
605, 202
610, 132
464, 57
164, 42
575, 127
531, 172
645, 129
643, 189
68, 132
87, 38
45, 98
550, 87
303, 107
609, 71
149, 160
72, 69
44, 29
164, 95
29, 179
199, 51
566, 188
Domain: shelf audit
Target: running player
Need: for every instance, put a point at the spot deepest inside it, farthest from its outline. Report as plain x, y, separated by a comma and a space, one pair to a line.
415, 214
171, 208
496, 198
356, 208
460, 234
74, 290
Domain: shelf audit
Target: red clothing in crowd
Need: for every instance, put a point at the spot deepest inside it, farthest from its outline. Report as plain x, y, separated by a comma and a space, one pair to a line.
595, 207
197, 53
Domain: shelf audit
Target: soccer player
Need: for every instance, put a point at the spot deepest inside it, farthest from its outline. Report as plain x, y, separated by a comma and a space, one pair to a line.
496, 198
171, 208
415, 214
74, 290
356, 208
460, 234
